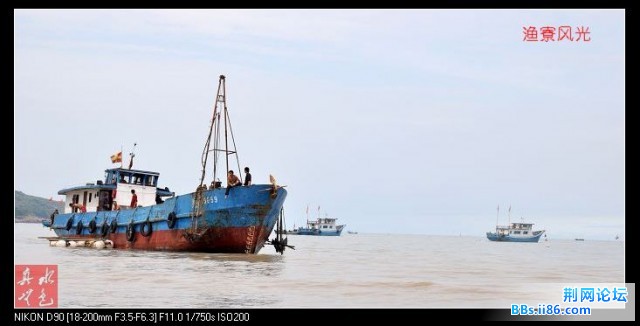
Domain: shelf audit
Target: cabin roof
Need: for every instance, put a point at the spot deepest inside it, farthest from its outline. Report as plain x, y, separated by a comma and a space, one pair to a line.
323, 220
160, 191
133, 171
89, 186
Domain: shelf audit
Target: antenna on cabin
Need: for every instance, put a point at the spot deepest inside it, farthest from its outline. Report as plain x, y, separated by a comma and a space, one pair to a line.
132, 155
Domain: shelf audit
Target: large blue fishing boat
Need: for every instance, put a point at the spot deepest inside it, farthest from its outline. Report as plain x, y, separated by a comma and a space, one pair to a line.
206, 220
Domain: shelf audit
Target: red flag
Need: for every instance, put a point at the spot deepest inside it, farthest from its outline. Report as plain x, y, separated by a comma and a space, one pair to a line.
117, 157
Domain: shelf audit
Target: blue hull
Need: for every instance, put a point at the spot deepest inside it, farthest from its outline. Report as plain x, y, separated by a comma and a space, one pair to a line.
318, 232
240, 223
506, 238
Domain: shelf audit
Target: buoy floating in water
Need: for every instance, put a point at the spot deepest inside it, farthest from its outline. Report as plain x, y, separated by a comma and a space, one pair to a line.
98, 244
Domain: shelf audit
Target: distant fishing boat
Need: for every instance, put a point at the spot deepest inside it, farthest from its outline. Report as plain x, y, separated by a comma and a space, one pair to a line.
579, 239
515, 232
325, 226
352, 232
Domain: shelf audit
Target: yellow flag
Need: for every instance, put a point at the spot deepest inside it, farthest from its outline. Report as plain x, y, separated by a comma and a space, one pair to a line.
116, 158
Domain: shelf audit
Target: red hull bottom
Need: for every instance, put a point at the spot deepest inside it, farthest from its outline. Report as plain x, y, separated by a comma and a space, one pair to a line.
216, 240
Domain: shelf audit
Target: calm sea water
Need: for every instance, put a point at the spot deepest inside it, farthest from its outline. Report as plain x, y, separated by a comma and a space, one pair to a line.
363, 270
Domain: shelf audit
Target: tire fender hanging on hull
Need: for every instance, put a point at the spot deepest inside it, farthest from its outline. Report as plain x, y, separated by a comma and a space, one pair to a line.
145, 228
79, 227
131, 232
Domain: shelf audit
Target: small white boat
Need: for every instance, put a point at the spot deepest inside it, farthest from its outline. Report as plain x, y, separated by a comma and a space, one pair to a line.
515, 232
325, 226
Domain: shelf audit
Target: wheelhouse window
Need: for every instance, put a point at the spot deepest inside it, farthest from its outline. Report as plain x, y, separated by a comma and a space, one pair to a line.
150, 180
124, 178
110, 178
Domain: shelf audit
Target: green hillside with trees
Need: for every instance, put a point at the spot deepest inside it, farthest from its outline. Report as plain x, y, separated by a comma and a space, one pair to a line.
32, 209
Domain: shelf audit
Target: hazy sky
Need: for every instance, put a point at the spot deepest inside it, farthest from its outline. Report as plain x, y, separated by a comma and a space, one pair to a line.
393, 121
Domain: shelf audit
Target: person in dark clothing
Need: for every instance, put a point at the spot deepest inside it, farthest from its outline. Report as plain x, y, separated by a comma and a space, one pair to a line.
247, 179
158, 199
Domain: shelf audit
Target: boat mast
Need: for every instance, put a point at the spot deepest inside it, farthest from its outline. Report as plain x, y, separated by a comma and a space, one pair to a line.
226, 115
221, 100
228, 130
205, 152
497, 214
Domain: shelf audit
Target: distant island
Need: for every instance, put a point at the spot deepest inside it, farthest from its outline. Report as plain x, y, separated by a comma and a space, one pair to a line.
32, 209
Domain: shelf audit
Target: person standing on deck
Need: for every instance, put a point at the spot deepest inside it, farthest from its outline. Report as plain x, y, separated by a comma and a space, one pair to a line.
134, 199
247, 179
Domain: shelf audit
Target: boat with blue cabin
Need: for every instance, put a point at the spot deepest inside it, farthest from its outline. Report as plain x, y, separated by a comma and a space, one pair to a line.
205, 220
325, 226
514, 232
